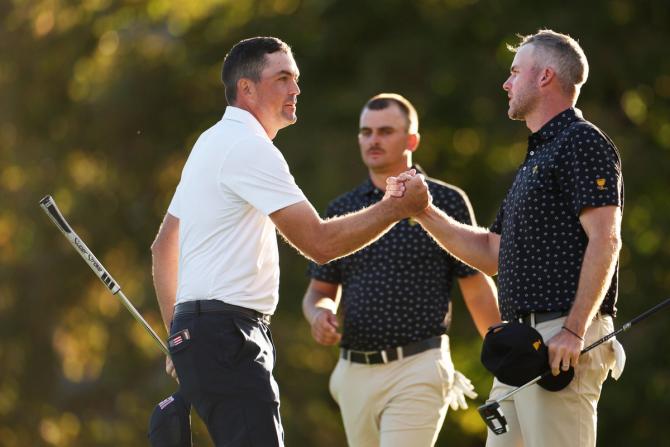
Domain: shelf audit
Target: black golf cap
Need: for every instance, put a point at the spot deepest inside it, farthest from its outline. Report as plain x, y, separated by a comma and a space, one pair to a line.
170, 423
516, 354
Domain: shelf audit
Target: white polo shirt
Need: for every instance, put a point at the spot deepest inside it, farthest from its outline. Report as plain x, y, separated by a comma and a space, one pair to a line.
233, 179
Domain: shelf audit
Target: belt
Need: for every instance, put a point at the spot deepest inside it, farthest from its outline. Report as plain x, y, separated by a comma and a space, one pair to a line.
391, 354
534, 318
202, 306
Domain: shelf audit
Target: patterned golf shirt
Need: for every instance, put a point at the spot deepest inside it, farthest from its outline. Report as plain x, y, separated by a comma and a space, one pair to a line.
570, 165
396, 290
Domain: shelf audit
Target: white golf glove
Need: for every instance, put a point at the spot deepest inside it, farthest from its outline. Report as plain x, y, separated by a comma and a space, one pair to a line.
461, 388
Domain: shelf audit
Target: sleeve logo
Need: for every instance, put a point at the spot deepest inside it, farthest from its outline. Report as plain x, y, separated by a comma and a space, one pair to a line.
600, 183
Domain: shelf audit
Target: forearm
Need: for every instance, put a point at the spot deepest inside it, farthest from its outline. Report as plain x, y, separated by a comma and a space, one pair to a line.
597, 270
165, 284
314, 301
165, 266
342, 235
472, 245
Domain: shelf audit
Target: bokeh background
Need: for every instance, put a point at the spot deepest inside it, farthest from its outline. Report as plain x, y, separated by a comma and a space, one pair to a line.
101, 101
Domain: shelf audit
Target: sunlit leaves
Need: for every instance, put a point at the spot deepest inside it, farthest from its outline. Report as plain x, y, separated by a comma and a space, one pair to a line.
61, 430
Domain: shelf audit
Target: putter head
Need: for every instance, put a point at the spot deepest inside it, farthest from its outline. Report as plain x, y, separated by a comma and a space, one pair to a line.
494, 417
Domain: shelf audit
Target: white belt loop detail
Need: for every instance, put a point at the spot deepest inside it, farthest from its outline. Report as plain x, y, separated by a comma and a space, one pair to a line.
532, 319
385, 358
400, 353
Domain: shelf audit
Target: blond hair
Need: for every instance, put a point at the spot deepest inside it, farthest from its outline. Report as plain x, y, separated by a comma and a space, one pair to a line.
562, 53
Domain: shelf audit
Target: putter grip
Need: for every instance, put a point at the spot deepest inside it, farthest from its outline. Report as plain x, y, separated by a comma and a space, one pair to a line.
48, 204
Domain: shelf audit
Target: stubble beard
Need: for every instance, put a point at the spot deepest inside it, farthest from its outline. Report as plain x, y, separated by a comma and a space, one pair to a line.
522, 105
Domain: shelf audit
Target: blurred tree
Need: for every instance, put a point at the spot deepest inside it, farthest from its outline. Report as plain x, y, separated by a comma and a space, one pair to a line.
101, 100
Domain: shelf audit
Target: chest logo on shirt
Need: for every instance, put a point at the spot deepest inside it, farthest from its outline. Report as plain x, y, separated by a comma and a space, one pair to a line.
600, 183
534, 169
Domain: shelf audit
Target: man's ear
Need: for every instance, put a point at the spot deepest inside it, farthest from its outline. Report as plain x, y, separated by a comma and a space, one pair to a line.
245, 88
547, 75
413, 141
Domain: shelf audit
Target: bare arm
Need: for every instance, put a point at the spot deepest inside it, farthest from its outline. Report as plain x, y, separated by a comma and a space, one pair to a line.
603, 228
481, 298
165, 259
320, 307
473, 245
325, 240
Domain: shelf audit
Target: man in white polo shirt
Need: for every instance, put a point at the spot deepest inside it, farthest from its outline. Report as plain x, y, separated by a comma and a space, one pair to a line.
215, 259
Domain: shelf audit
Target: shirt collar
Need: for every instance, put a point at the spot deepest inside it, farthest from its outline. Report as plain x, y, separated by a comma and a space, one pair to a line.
242, 116
555, 125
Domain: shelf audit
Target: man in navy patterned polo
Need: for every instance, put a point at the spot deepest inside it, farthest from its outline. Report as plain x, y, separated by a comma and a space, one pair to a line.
555, 243
395, 379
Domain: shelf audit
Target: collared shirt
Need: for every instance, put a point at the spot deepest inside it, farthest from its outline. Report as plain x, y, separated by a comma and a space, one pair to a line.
570, 165
233, 180
396, 290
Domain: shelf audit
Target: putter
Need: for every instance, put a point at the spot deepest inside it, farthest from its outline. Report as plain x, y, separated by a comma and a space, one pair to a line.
48, 204
170, 423
493, 414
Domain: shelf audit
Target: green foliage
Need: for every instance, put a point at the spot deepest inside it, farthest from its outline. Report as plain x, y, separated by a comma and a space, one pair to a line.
101, 100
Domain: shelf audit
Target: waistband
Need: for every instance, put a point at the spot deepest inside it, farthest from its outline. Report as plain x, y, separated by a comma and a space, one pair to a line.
534, 318
205, 306
391, 354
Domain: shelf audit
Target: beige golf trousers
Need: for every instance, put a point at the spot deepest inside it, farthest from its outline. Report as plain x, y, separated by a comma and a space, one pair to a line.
566, 418
398, 404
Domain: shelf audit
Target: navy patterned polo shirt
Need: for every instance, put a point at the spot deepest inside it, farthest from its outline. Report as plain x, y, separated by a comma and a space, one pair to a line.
570, 165
396, 290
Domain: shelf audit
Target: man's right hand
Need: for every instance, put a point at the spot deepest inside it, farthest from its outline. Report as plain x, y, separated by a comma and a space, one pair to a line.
324, 328
169, 368
408, 193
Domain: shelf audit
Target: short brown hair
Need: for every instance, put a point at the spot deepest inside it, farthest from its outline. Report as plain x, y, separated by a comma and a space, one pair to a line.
562, 53
247, 60
383, 100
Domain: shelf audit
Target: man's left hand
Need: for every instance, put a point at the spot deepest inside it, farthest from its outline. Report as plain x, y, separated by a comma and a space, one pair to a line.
564, 351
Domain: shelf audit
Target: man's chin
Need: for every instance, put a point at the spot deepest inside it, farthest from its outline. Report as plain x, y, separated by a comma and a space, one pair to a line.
287, 120
515, 115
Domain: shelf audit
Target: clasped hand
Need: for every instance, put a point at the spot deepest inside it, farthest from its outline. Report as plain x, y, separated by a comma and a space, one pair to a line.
412, 191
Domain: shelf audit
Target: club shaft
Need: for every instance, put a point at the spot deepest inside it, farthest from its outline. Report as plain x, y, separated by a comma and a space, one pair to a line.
126, 302
49, 206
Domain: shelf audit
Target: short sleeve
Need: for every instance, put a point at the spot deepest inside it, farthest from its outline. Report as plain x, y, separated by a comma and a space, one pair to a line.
257, 171
591, 173
174, 207
496, 227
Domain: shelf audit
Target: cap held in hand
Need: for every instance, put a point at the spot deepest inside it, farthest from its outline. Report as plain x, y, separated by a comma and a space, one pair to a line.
515, 353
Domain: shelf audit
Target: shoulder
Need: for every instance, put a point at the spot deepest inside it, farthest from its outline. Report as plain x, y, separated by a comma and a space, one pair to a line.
586, 132
586, 139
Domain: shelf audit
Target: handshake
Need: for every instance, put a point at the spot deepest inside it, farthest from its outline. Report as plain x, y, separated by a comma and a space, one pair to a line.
408, 193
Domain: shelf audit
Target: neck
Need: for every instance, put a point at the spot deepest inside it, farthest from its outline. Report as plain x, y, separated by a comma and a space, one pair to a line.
545, 112
269, 130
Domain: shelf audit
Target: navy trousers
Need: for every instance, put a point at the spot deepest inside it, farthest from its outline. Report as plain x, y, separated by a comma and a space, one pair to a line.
224, 363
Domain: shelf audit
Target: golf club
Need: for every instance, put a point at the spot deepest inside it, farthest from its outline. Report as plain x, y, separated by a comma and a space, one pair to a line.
48, 204
491, 411
170, 423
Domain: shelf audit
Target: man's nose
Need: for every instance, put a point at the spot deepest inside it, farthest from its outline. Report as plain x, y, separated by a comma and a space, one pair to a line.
507, 85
